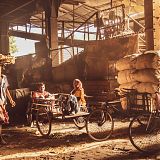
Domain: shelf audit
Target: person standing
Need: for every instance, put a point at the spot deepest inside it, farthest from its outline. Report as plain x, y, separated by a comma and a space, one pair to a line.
4, 94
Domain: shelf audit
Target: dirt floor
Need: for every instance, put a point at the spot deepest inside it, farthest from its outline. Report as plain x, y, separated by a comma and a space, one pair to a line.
68, 143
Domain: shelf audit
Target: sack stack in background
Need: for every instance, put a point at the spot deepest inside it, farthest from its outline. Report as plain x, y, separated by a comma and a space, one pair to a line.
140, 72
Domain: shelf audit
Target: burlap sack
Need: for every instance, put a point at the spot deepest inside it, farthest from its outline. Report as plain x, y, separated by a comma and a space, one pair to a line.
126, 76
146, 87
126, 62
151, 59
130, 85
147, 75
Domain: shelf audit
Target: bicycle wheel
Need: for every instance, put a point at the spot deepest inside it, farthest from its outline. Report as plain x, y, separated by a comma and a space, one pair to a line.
29, 117
99, 125
144, 133
80, 122
44, 121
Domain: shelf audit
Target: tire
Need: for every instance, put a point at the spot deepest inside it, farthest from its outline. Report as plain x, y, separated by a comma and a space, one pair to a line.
44, 121
29, 118
144, 133
99, 125
80, 122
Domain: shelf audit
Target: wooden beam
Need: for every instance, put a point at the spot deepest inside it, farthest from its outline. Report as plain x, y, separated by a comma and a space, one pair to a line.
26, 35
82, 24
6, 14
73, 43
73, 2
39, 37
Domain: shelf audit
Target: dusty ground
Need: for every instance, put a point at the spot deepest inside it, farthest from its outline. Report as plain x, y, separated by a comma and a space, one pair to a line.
68, 143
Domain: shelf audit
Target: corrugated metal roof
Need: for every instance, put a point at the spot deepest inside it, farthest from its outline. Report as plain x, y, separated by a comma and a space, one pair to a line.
20, 12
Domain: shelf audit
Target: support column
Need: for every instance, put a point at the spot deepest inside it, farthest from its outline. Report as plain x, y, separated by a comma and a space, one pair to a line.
4, 38
152, 24
148, 14
55, 55
156, 24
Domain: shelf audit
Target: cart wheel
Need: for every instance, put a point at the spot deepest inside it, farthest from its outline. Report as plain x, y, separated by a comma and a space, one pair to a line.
99, 125
44, 121
144, 132
80, 122
29, 118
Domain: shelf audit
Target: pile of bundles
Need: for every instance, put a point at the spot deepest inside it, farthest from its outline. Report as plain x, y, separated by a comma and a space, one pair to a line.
140, 72
6, 59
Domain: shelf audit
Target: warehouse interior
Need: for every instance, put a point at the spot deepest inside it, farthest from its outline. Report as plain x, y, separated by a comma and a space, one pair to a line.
107, 44
93, 35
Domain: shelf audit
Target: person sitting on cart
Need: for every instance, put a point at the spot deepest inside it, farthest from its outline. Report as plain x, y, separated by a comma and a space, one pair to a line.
41, 93
78, 92
39, 96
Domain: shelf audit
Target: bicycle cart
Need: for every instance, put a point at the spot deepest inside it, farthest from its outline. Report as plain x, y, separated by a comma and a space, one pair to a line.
47, 110
144, 129
100, 123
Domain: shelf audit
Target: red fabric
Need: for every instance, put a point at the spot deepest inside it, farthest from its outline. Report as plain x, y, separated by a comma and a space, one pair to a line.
4, 115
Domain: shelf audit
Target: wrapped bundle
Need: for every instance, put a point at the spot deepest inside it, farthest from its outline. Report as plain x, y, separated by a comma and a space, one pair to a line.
146, 87
130, 85
126, 62
151, 59
147, 75
126, 76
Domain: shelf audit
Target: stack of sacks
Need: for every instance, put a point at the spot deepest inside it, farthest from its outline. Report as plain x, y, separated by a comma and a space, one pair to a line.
125, 67
140, 72
126, 70
148, 72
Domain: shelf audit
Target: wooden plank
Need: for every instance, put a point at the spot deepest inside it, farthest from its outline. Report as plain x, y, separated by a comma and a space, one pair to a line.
77, 115
156, 24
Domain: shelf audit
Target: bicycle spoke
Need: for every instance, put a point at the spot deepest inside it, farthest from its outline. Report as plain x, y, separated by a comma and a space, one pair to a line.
144, 133
43, 121
99, 125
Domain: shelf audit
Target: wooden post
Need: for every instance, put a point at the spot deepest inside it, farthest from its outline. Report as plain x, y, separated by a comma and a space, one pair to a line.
156, 24
4, 38
148, 12
55, 55
61, 50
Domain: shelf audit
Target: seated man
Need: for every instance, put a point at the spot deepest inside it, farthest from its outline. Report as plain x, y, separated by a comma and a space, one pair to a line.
41, 93
38, 97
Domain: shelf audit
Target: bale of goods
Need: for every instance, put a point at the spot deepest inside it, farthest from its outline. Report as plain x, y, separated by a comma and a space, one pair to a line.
151, 59
126, 76
130, 85
147, 75
126, 62
146, 87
